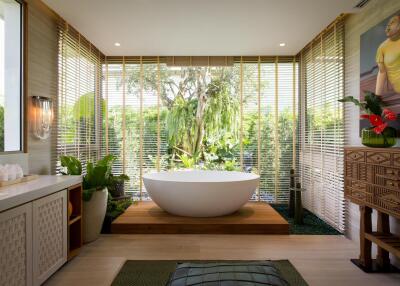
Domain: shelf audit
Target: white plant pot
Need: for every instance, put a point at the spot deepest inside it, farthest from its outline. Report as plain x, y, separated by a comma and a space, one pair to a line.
94, 212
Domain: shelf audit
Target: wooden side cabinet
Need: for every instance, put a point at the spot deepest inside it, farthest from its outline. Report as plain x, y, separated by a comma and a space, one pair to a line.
16, 246
75, 238
49, 235
372, 180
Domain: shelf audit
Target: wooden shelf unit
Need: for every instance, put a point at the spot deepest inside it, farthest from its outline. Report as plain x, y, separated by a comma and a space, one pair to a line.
387, 241
75, 224
372, 180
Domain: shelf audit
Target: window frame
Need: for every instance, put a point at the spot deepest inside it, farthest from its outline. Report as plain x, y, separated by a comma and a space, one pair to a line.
23, 81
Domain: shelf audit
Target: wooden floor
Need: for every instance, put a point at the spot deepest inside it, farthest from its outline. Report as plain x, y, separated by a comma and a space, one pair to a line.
322, 260
252, 218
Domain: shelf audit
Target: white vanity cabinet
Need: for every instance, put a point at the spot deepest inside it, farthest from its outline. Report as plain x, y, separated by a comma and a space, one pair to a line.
16, 246
34, 230
49, 235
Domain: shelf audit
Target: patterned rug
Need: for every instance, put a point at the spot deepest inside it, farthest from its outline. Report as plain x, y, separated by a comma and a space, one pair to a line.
312, 223
157, 272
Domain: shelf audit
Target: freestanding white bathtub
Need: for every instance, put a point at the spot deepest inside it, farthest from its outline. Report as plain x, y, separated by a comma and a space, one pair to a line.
196, 193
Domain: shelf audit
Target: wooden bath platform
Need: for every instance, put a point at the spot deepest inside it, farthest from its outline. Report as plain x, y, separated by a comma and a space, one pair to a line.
252, 218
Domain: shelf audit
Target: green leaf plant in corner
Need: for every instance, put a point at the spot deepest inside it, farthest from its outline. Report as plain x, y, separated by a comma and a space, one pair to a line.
96, 177
72, 165
372, 103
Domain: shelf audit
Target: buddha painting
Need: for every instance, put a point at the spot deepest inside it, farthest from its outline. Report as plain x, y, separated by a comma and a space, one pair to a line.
380, 63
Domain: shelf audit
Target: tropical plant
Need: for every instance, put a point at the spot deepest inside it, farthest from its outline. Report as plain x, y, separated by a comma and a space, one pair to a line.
116, 184
230, 165
372, 105
188, 162
96, 177
72, 165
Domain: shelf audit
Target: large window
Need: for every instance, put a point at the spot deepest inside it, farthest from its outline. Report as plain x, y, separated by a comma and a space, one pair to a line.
79, 107
160, 115
322, 129
11, 79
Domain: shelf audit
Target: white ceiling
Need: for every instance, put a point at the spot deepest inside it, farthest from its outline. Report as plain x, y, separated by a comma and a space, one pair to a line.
200, 27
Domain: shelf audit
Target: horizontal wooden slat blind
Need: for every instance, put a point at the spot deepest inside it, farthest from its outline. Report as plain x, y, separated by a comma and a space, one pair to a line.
322, 130
135, 115
79, 106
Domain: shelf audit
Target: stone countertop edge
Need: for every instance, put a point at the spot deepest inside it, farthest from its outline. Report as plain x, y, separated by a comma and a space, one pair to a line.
19, 194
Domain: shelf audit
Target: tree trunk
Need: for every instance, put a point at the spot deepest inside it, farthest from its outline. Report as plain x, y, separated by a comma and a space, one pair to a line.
200, 112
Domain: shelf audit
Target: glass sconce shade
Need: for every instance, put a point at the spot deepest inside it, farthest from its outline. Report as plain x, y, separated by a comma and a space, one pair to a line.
43, 116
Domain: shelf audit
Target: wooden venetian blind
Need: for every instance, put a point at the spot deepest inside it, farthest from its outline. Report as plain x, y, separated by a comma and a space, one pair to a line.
322, 128
78, 102
134, 127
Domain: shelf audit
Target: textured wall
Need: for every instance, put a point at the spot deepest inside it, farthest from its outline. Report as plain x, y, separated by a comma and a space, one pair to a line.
42, 78
357, 24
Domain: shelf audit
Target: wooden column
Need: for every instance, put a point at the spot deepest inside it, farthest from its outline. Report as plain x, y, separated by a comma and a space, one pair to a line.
365, 244
382, 258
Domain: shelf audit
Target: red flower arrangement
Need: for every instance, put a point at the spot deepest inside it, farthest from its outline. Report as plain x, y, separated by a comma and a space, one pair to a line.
377, 121
375, 113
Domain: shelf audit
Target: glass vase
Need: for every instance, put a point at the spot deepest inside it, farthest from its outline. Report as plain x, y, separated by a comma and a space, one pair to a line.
384, 140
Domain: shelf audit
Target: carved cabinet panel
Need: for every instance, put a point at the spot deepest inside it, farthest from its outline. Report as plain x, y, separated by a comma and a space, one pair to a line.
372, 178
49, 235
16, 246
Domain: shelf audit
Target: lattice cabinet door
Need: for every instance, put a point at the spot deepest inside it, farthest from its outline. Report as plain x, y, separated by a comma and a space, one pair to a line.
49, 235
16, 246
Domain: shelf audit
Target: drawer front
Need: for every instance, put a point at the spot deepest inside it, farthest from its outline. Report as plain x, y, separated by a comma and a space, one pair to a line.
392, 184
358, 195
379, 158
358, 156
388, 200
351, 170
359, 186
396, 160
392, 172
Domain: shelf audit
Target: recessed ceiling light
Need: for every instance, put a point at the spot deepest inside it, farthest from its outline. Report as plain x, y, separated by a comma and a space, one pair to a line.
117, 44
282, 44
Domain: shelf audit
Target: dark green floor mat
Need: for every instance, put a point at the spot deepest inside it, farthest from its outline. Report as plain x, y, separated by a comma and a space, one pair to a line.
157, 272
312, 223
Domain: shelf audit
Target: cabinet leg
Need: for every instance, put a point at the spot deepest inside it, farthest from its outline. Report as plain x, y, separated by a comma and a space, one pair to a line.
365, 244
383, 226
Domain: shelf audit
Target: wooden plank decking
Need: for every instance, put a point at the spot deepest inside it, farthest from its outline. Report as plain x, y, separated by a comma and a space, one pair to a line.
252, 218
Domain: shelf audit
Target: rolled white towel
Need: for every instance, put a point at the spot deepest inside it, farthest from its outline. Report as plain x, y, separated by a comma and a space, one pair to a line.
12, 175
18, 170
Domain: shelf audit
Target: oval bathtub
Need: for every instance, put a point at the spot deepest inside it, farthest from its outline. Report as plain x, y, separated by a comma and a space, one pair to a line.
198, 193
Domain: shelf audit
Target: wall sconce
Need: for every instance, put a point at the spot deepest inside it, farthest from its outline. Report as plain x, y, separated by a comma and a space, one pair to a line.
43, 116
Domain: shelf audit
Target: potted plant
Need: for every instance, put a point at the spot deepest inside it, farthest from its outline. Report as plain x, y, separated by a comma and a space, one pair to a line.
95, 192
379, 134
116, 185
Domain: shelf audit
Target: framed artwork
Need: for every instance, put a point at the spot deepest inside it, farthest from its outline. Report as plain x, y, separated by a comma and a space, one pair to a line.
380, 64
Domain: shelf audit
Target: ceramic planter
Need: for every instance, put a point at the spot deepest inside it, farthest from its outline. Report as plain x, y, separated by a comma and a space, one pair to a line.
94, 212
386, 139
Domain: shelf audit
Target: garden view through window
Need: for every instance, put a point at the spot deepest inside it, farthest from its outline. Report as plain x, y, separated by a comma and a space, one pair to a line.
154, 116
160, 117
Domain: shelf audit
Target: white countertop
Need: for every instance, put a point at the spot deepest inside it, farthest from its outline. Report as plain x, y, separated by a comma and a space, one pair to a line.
18, 194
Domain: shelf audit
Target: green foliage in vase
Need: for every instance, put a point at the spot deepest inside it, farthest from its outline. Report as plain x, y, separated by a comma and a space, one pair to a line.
96, 177
372, 103
72, 165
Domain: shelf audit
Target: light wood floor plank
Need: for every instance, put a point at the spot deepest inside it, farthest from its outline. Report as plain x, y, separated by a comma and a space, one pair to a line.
322, 260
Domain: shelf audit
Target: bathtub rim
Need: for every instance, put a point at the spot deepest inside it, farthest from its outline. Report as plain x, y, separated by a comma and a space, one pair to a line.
249, 177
